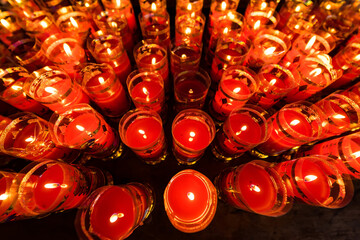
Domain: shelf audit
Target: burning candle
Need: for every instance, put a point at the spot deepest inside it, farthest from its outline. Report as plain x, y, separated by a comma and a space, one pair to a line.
263, 5
52, 87
189, 28
90, 6
151, 6
146, 89
275, 82
107, 48
190, 201
28, 136
65, 51
315, 180
237, 85
7, 195
114, 212
254, 187
100, 83
192, 130
184, 57
81, 127
142, 131
291, 7
10, 31
12, 92
293, 125
191, 88
151, 57
156, 27
189, 6
244, 129
53, 186
340, 27
256, 21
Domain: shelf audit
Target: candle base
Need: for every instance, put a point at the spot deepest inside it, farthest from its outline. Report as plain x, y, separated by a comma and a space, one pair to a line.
221, 155
157, 160
258, 154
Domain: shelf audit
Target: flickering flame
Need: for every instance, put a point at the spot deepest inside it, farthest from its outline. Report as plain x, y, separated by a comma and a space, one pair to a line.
153, 7
357, 58
145, 91
183, 56
339, 116
73, 22
44, 24
263, 5
109, 51
223, 6
310, 43
16, 88
188, 31
115, 217
51, 90
191, 196
4, 196
142, 132
310, 178
189, 7
328, 7
237, 90
101, 80
226, 30
67, 50
228, 57
257, 24
316, 72
356, 154
192, 135
153, 61
294, 122
191, 91
87, 5
231, 15
5, 23
54, 185
298, 8
269, 50
80, 128
272, 82
254, 188
29, 139
113, 24
118, 3
243, 128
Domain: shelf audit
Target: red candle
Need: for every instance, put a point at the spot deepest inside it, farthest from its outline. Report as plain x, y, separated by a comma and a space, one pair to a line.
190, 201
156, 27
184, 58
189, 28
7, 197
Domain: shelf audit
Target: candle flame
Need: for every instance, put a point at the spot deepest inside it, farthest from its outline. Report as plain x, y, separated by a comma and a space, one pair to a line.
16, 88
254, 188
228, 57
357, 58
223, 6
316, 72
101, 80
356, 154
231, 15
339, 116
189, 7
310, 178
257, 25
269, 50
116, 216
153, 61
4, 196
143, 133
294, 122
272, 82
51, 90
310, 43
328, 7
80, 128
183, 56
243, 128
191, 196
188, 31
67, 50
44, 24
55, 185
118, 3
191, 91
113, 24
226, 30
29, 139
109, 51
145, 91
153, 7
73, 22
237, 90
298, 8
87, 5
5, 23
192, 134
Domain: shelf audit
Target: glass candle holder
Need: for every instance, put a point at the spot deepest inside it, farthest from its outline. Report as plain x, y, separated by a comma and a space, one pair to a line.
344, 149
190, 89
51, 186
142, 130
39, 25
316, 72
28, 136
190, 201
64, 50
326, 8
293, 125
189, 6
52, 6
127, 206
151, 57
244, 129
255, 187
230, 51
341, 114
87, 6
236, 87
10, 30
8, 195
339, 27
189, 28
269, 46
81, 127
12, 80
257, 21
27, 52
150, 6
24, 8
291, 7
316, 181
268, 5
146, 89
184, 57
275, 82
100, 83
52, 87
192, 131
156, 27
123, 7
307, 44
107, 48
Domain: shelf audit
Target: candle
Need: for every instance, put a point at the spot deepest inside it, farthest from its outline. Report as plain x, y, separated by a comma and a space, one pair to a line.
189, 28
237, 85
291, 7
10, 31
156, 27
28, 136
245, 128
107, 48
316, 181
151, 57
256, 21
52, 87
142, 131
263, 5
114, 212
12, 91
192, 130
184, 57
90, 6
275, 82
189, 6
191, 88
254, 187
150, 6
293, 125
104, 88
146, 89
339, 27
81, 127
7, 195
190, 201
